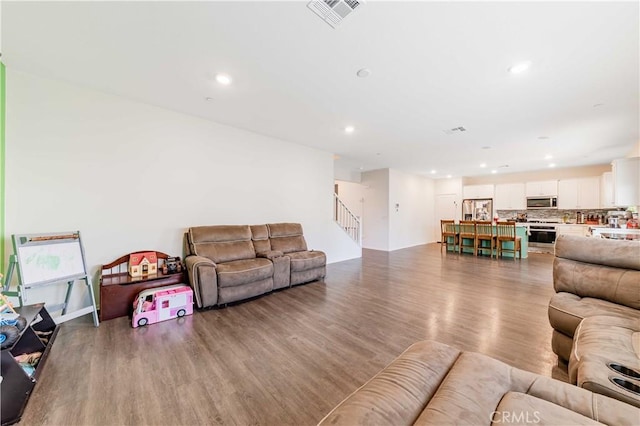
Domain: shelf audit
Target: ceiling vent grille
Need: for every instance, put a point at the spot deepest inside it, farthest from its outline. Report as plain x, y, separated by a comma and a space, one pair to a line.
333, 11
454, 130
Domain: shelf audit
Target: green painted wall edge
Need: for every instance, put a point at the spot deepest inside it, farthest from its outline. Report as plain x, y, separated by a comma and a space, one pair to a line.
2, 163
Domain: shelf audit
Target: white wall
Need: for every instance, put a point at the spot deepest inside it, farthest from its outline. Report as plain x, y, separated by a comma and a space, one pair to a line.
352, 195
133, 177
411, 210
375, 231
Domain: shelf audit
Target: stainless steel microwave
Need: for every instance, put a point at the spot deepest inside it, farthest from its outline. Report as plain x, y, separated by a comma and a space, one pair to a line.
542, 202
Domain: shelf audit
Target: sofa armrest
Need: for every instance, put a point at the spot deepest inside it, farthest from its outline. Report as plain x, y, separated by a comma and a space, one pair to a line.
203, 279
271, 254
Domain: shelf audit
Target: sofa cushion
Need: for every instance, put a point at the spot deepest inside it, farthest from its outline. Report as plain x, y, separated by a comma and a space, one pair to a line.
240, 272
616, 285
599, 251
222, 243
304, 260
397, 395
286, 237
566, 310
260, 238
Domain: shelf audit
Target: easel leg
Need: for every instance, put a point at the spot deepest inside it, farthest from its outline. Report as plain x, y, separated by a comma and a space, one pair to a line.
93, 304
67, 297
13, 260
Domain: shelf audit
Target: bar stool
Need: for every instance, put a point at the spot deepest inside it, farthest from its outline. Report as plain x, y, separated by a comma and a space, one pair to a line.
467, 232
448, 230
484, 232
506, 233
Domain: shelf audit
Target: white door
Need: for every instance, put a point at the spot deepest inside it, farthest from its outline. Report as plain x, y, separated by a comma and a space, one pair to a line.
446, 208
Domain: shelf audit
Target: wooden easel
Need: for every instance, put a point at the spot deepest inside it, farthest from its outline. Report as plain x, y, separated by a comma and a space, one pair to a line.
30, 258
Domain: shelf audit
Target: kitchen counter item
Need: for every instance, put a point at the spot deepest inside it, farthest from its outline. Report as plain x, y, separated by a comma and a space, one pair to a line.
619, 236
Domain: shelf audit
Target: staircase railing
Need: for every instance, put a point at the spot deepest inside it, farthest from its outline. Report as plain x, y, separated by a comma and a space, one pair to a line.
348, 221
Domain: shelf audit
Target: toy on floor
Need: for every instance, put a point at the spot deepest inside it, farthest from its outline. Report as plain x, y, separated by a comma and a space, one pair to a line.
11, 323
162, 303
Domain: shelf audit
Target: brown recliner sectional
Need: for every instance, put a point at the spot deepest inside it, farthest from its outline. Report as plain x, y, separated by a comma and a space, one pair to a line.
592, 277
228, 263
435, 384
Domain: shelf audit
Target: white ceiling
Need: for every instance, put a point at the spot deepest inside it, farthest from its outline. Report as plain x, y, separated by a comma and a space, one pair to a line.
434, 66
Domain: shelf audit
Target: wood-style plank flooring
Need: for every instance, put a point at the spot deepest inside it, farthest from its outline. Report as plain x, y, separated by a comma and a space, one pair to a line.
289, 357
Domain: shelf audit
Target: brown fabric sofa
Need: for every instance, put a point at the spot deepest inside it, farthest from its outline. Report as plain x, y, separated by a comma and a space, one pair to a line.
228, 263
435, 384
592, 276
306, 265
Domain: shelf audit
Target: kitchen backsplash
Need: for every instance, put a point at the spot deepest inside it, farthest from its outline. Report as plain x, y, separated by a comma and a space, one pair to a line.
554, 214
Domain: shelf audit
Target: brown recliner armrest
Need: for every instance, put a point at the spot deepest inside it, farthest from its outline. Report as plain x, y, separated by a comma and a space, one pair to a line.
203, 280
271, 254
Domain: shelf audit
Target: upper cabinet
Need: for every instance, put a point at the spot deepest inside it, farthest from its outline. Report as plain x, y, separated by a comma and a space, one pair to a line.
583, 193
607, 198
542, 188
626, 177
477, 191
510, 196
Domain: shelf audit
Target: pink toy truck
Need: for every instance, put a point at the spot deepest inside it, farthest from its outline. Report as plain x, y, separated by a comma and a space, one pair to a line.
162, 303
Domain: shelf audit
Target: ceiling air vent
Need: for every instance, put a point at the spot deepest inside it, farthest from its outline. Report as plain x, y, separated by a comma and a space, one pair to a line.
454, 130
333, 11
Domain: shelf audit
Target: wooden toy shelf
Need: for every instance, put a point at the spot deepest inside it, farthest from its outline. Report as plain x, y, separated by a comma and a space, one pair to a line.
17, 385
118, 288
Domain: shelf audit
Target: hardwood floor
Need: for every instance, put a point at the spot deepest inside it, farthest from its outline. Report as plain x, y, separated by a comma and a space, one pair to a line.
291, 356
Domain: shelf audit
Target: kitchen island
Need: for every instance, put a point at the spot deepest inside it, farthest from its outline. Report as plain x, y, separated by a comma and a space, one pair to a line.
522, 231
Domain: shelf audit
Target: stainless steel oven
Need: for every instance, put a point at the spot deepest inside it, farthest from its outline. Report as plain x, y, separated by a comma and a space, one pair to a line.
542, 235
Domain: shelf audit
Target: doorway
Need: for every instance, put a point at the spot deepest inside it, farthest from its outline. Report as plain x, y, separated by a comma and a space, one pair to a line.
446, 208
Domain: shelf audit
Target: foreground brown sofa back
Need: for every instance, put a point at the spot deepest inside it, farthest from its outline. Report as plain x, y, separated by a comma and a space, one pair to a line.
435, 384
223, 243
592, 276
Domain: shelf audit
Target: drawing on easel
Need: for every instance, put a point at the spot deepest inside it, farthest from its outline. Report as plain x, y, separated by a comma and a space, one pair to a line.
50, 262
44, 259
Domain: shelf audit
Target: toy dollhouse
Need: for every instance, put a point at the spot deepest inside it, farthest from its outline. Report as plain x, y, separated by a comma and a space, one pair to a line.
143, 263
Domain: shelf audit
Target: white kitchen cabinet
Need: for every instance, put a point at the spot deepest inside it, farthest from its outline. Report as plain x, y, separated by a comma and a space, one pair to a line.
510, 196
542, 188
477, 191
626, 181
607, 198
582, 193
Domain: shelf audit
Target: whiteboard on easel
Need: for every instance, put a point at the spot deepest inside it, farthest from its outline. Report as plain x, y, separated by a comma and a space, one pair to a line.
49, 258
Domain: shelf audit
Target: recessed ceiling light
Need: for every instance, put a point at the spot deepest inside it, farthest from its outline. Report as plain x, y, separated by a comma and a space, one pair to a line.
548, 157
223, 79
448, 176
349, 129
552, 164
336, 157
483, 165
433, 172
494, 171
542, 138
597, 105
485, 147
363, 73
208, 99
519, 67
